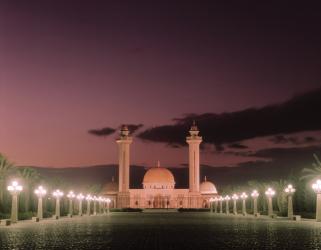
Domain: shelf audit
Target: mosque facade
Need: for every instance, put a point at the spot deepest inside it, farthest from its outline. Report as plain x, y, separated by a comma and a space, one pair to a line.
158, 185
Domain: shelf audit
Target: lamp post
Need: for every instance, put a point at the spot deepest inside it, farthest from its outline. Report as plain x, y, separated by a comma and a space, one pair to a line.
88, 199
221, 204
211, 204
254, 195
243, 196
104, 206
14, 189
57, 194
215, 204
40, 192
289, 190
80, 197
108, 204
71, 195
100, 200
235, 197
270, 193
95, 204
317, 189
227, 200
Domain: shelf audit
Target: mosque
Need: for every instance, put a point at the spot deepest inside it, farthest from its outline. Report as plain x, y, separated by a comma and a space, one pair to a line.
158, 185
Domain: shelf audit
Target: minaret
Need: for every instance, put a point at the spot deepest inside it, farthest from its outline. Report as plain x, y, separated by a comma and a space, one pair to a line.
123, 142
194, 141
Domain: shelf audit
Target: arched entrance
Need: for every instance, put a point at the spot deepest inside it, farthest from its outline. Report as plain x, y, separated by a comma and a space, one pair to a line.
159, 202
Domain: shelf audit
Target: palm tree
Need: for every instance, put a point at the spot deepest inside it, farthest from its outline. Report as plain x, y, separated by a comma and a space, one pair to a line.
95, 188
29, 176
311, 173
5, 169
281, 196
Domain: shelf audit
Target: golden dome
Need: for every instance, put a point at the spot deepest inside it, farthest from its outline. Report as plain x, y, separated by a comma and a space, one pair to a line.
158, 177
207, 187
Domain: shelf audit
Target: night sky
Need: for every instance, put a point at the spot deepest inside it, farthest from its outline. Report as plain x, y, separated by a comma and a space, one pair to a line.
71, 72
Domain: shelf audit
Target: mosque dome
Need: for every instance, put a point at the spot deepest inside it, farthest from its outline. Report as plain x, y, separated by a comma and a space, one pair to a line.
158, 178
207, 187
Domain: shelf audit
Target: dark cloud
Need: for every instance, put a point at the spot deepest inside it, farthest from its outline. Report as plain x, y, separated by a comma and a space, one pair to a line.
108, 131
219, 147
237, 146
288, 154
310, 139
281, 139
295, 115
133, 127
102, 132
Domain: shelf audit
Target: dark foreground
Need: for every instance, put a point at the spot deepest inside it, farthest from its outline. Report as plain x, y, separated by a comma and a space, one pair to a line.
162, 231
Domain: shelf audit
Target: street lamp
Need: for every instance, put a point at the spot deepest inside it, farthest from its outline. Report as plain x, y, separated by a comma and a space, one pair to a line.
100, 200
108, 203
317, 189
221, 204
235, 197
254, 195
270, 193
95, 204
211, 204
289, 190
243, 196
40, 192
57, 194
88, 199
227, 200
104, 206
215, 204
80, 197
71, 195
14, 189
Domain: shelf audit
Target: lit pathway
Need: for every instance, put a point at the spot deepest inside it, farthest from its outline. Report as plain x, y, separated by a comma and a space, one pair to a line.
162, 231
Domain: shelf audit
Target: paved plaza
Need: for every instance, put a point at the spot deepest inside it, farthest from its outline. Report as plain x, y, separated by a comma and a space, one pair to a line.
162, 231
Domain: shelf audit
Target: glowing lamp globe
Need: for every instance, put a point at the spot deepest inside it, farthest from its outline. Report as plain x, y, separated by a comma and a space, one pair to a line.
71, 195
235, 197
243, 196
317, 186
57, 193
14, 187
269, 192
255, 194
80, 196
40, 191
289, 189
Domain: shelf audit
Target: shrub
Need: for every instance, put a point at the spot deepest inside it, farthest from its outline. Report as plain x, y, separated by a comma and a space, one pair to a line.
4, 216
193, 210
26, 215
128, 209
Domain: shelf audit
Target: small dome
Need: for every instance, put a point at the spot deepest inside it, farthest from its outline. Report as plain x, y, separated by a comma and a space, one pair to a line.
158, 177
207, 187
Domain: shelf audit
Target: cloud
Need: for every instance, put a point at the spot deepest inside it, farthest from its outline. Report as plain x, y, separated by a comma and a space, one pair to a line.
281, 139
102, 132
133, 127
237, 146
298, 114
108, 131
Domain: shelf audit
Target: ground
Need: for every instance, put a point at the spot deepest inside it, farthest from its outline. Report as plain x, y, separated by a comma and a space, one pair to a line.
162, 231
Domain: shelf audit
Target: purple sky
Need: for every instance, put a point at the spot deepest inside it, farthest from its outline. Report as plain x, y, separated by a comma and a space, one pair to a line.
66, 68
